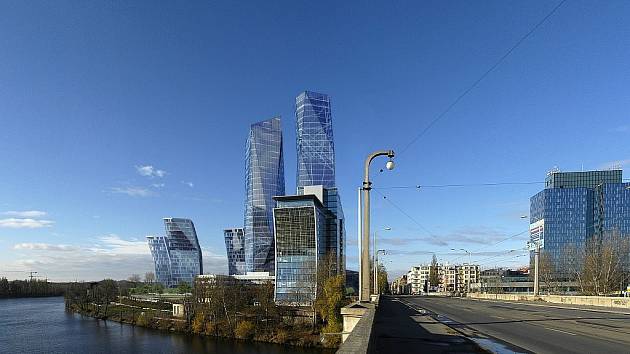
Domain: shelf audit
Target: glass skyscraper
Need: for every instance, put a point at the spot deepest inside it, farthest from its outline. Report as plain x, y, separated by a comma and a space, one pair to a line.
235, 246
264, 179
177, 256
314, 140
300, 232
575, 206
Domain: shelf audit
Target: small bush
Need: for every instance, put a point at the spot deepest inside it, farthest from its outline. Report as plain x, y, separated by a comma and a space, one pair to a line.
282, 336
244, 330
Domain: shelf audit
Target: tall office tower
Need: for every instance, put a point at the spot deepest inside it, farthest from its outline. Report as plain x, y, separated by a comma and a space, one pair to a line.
235, 247
314, 140
177, 256
575, 206
300, 225
264, 179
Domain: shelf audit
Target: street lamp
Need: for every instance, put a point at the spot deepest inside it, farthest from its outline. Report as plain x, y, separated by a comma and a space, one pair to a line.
375, 258
364, 269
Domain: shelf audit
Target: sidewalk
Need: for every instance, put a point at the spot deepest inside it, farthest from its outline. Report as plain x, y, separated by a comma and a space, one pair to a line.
398, 329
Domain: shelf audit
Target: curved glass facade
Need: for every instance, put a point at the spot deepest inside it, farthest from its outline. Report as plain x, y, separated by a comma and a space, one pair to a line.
314, 140
177, 256
264, 179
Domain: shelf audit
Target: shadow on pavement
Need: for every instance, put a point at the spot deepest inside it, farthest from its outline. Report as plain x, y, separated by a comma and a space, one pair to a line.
395, 330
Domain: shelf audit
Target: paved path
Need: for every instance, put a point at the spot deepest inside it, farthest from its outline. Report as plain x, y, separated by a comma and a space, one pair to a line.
401, 329
535, 327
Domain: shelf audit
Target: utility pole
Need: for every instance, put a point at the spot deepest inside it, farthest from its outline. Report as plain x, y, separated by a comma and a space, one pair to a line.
32, 276
364, 271
536, 258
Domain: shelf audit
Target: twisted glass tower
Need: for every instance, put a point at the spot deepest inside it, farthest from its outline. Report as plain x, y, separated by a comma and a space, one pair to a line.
235, 246
314, 140
264, 179
177, 256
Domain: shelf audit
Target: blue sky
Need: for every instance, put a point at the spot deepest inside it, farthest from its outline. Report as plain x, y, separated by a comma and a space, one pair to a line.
114, 115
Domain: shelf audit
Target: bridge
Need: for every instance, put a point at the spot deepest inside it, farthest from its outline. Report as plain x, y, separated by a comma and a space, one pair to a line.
436, 324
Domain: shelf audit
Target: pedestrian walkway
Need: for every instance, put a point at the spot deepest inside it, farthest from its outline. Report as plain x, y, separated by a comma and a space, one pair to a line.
400, 329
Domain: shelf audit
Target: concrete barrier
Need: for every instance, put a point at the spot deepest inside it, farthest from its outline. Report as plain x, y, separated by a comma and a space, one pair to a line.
358, 319
602, 301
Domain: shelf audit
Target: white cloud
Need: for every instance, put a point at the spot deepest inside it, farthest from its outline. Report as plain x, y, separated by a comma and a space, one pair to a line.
109, 256
44, 247
133, 191
158, 185
26, 213
189, 184
15, 223
150, 171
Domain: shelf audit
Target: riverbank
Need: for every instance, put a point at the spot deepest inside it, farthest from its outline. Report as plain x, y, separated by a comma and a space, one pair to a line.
42, 325
296, 335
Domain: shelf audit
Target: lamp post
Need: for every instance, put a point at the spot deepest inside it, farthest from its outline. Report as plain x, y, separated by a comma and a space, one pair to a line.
375, 259
364, 271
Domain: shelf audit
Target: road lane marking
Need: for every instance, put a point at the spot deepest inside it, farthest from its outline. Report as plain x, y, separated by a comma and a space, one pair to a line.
561, 331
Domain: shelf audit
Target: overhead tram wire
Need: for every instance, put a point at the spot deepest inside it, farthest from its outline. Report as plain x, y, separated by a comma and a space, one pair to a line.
482, 77
489, 184
407, 215
491, 245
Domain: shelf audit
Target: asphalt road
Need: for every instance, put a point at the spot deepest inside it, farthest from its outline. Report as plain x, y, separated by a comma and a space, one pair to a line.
535, 327
400, 329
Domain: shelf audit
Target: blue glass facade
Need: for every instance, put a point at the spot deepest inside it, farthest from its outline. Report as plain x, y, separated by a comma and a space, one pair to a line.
335, 222
577, 206
235, 247
300, 232
314, 140
264, 179
612, 209
568, 218
177, 256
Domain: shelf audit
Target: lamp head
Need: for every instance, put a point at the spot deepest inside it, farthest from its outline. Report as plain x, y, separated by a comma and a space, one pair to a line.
390, 165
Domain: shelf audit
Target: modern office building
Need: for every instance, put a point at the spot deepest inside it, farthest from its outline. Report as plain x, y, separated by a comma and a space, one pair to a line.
575, 206
314, 140
235, 247
264, 179
300, 231
177, 256
335, 222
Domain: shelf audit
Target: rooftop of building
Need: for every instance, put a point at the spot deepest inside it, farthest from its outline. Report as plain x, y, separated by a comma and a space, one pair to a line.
309, 197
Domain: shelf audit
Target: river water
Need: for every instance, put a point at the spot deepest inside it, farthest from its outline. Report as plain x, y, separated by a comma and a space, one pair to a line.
41, 325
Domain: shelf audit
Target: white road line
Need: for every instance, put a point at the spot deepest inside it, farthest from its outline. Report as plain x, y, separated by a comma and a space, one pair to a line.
561, 331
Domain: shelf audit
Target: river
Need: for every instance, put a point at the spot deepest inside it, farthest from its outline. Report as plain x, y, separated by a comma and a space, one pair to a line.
41, 325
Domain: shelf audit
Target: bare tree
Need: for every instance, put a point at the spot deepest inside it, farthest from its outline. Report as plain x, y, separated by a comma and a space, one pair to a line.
149, 277
135, 278
547, 271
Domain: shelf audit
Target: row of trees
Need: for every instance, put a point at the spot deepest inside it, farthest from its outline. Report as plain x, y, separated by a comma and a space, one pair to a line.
600, 267
29, 288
